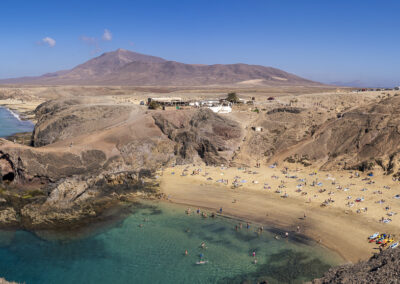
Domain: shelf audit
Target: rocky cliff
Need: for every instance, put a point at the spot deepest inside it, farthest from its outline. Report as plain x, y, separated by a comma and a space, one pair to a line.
90, 153
381, 268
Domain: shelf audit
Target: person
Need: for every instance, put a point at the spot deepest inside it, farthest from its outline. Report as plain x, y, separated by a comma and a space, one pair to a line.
220, 210
255, 261
186, 252
203, 245
298, 229
248, 226
254, 253
305, 212
240, 225
198, 211
286, 234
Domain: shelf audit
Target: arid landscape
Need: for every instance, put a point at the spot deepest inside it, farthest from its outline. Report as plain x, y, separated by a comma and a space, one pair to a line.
240, 142
94, 147
290, 148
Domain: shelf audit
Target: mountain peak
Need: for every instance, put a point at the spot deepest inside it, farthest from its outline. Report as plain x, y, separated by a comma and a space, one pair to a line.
125, 67
128, 56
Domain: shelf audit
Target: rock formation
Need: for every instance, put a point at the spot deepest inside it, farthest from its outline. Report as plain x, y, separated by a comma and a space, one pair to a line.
363, 138
381, 268
88, 151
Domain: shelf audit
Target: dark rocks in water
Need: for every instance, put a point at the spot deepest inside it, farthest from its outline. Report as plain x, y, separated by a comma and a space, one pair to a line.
90, 153
380, 268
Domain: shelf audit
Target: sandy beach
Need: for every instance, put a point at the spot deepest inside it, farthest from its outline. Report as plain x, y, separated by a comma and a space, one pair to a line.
271, 197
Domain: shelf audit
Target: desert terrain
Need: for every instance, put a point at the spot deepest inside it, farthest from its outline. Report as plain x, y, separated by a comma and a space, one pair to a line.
311, 159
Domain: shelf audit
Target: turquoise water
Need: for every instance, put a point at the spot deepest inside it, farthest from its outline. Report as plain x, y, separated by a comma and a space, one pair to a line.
125, 252
9, 124
154, 253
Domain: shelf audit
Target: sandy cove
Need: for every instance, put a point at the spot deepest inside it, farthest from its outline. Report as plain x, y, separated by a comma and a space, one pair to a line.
337, 226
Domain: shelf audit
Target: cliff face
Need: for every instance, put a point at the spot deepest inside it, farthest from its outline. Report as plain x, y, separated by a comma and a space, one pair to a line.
89, 152
381, 268
204, 133
362, 138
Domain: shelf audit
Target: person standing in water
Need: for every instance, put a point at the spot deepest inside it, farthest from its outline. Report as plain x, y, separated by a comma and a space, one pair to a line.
254, 253
186, 252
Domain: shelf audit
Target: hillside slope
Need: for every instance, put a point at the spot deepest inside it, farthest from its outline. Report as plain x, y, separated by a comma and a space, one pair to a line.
123, 67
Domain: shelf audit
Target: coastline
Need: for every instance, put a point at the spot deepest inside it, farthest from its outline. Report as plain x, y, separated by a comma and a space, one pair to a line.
22, 110
341, 231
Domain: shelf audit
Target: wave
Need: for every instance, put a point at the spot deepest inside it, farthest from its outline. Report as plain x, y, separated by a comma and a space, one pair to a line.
16, 115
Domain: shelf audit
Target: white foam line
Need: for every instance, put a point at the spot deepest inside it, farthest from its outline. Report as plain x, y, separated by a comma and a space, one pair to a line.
16, 115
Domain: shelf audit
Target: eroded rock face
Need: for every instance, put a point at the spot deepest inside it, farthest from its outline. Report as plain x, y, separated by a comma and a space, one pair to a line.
361, 139
381, 268
61, 119
202, 133
283, 127
91, 153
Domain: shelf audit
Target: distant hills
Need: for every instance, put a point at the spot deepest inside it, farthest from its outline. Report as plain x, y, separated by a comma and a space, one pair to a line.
124, 67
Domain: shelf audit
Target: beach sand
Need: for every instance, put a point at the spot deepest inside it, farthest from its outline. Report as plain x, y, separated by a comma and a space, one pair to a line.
337, 226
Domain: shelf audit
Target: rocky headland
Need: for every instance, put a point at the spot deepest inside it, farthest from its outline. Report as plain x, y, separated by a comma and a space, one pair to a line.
89, 154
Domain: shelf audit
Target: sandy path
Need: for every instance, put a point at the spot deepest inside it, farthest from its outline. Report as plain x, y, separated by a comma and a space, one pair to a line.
338, 227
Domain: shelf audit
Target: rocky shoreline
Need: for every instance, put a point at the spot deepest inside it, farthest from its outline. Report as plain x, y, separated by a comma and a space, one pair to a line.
89, 156
381, 268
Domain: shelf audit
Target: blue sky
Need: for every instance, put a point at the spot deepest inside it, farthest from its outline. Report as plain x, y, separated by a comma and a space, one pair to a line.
328, 41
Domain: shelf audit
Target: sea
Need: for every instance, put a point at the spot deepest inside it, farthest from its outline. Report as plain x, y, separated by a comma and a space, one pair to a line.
10, 123
148, 244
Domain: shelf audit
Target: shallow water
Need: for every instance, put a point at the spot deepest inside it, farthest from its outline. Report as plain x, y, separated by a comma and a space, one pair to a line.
154, 253
10, 124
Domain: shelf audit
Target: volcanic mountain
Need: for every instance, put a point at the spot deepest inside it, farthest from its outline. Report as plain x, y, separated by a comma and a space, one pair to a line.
123, 67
